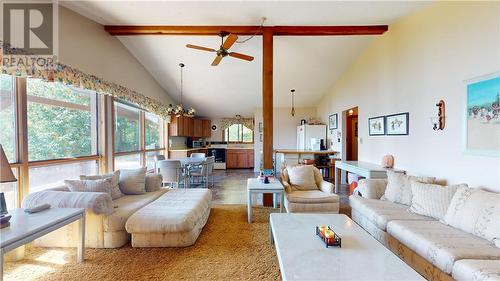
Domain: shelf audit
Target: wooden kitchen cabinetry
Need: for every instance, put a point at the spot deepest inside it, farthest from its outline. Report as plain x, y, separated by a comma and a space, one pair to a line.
239, 158
189, 127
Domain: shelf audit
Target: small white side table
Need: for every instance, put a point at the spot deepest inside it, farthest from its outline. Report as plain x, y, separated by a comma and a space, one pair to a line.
25, 228
257, 186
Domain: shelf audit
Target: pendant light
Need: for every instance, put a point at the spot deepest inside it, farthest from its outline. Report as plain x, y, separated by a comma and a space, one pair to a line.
293, 102
179, 109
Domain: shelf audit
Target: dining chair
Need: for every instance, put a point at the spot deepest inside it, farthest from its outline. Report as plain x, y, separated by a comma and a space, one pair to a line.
172, 173
205, 173
158, 158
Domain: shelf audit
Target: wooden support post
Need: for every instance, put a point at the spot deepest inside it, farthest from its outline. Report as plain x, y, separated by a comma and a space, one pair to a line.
267, 103
23, 184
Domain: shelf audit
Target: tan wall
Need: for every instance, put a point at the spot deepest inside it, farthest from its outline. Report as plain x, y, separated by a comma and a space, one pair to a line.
423, 58
85, 45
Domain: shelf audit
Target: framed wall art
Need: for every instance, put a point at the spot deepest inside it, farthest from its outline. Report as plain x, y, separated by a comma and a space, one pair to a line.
482, 115
376, 126
397, 124
333, 121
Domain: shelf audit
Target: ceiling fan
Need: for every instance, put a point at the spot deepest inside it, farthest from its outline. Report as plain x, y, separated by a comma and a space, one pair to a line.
223, 50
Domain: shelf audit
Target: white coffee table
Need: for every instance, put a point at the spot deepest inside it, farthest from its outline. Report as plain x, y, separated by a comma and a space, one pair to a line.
255, 185
303, 256
25, 228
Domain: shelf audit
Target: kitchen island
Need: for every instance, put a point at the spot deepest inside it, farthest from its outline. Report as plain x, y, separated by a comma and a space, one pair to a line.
283, 157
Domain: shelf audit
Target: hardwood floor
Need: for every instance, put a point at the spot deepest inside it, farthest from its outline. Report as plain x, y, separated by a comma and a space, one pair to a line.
231, 185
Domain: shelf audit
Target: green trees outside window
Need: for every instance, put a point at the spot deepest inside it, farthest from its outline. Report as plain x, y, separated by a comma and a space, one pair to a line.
238, 133
7, 117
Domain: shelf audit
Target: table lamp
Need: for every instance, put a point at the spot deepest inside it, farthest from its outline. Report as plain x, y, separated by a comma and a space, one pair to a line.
6, 175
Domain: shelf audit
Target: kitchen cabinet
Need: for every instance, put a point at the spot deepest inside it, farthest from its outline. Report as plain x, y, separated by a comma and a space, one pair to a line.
239, 158
206, 128
198, 128
189, 127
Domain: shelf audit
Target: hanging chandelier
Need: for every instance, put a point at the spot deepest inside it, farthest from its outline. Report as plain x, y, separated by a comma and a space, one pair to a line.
292, 112
179, 110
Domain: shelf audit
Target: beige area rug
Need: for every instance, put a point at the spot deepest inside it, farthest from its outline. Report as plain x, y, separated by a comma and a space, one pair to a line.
228, 249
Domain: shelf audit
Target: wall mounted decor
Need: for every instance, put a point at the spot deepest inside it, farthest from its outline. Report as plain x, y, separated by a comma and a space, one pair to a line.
333, 121
438, 121
397, 124
376, 126
482, 115
260, 127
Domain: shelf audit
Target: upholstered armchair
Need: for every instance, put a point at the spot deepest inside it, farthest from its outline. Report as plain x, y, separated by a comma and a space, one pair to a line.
307, 192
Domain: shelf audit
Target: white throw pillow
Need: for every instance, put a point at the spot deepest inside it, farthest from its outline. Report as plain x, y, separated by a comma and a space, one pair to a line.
133, 181
477, 212
302, 177
432, 200
399, 187
115, 177
100, 185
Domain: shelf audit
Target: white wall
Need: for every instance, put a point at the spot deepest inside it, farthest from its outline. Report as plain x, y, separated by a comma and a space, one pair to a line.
85, 45
284, 129
423, 58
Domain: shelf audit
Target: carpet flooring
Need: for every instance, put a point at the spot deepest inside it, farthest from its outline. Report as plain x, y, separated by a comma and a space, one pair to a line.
228, 249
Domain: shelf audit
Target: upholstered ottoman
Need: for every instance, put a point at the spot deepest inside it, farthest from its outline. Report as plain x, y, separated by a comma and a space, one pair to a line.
173, 220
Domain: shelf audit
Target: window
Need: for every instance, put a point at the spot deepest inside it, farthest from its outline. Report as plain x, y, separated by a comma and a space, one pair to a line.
8, 117
154, 131
62, 121
238, 133
43, 177
138, 137
127, 128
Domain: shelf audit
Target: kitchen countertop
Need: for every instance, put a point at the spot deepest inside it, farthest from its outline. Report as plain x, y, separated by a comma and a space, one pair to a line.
301, 151
239, 148
186, 149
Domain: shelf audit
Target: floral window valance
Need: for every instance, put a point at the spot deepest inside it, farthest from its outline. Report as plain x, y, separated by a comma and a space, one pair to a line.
72, 76
227, 122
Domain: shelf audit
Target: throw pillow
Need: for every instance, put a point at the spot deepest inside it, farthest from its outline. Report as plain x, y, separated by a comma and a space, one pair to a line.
477, 212
153, 182
432, 200
302, 177
133, 181
399, 187
115, 177
100, 185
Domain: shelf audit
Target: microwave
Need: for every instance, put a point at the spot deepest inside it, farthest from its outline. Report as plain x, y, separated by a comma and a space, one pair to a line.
197, 144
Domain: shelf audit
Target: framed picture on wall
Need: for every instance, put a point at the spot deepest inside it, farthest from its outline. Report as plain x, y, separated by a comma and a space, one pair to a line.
333, 121
397, 124
376, 126
482, 115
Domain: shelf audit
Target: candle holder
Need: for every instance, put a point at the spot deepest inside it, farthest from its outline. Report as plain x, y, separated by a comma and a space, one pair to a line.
334, 241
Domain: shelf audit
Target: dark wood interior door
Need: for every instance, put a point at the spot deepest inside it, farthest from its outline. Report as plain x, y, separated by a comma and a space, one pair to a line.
352, 138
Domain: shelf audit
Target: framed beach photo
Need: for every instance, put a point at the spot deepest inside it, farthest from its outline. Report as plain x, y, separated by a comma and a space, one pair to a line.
376, 126
397, 124
333, 122
482, 115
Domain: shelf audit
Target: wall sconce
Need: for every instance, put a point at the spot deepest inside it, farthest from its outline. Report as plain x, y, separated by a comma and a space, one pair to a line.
438, 122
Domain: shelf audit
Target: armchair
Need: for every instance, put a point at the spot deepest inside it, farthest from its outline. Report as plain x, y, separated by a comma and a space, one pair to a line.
307, 192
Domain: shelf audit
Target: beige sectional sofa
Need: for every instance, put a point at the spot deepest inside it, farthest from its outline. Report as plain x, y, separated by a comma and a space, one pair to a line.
106, 219
436, 250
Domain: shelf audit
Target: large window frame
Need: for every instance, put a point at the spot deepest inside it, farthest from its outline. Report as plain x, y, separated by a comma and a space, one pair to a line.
104, 152
240, 135
142, 151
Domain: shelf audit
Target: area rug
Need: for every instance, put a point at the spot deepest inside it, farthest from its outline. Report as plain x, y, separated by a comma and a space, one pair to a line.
228, 249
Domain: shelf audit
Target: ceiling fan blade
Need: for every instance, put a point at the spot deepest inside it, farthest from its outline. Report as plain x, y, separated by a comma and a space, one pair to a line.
230, 40
200, 48
241, 56
217, 60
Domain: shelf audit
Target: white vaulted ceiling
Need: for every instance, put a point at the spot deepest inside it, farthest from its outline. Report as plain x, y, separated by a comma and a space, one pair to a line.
311, 65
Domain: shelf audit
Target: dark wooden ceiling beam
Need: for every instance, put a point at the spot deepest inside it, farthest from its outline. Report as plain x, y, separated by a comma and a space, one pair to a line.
122, 30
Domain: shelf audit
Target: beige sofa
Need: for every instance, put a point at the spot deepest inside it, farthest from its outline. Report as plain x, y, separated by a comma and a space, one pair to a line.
320, 198
436, 250
104, 219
